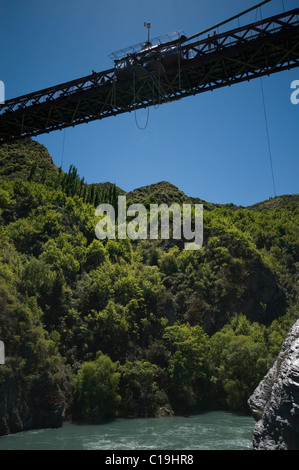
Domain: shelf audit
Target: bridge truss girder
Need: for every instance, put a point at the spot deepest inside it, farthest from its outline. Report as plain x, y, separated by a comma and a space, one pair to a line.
242, 54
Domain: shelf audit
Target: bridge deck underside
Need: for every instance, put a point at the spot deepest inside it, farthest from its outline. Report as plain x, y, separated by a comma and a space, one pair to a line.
198, 67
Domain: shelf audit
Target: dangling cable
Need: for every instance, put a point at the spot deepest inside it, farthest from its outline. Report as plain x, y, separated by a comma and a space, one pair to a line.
268, 138
179, 66
156, 106
62, 152
147, 118
113, 95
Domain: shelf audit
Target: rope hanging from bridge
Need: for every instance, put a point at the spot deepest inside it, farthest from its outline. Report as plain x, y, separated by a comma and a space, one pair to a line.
135, 112
283, 5
146, 123
268, 137
156, 106
62, 152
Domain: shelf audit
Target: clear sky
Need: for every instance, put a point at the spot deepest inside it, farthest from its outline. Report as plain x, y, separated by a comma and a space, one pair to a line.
212, 146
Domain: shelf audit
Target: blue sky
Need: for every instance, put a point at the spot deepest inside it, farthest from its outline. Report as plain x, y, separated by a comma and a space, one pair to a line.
212, 146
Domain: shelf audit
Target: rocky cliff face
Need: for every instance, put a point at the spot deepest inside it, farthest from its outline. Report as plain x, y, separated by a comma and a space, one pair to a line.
275, 402
41, 406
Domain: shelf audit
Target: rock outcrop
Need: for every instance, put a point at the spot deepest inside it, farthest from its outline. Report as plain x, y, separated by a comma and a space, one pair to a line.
275, 402
42, 406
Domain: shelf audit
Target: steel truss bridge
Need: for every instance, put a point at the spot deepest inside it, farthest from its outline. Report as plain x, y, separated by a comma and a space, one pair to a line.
192, 66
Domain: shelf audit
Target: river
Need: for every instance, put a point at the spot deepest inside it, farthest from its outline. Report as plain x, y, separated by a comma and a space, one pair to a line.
216, 430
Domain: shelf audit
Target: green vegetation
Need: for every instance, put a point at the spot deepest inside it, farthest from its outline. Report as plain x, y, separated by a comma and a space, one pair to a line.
96, 390
121, 328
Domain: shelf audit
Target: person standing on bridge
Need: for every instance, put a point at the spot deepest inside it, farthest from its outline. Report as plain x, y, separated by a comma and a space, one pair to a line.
215, 40
209, 42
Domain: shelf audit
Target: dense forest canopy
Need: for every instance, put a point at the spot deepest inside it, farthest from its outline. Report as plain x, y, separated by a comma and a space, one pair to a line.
134, 328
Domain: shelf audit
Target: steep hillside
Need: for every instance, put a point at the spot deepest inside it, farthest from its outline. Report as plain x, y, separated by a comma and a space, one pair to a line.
166, 193
26, 159
279, 202
163, 192
97, 329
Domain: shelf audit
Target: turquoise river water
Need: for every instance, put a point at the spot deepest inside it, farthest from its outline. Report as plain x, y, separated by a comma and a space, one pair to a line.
208, 431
